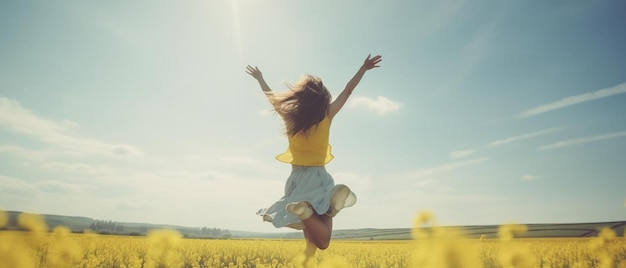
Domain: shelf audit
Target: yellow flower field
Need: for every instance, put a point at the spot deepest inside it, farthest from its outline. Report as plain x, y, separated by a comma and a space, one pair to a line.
434, 247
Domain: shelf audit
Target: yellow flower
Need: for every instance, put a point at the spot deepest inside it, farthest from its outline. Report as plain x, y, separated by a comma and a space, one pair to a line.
335, 262
32, 222
607, 233
162, 245
64, 252
13, 254
483, 237
423, 218
436, 247
506, 232
516, 255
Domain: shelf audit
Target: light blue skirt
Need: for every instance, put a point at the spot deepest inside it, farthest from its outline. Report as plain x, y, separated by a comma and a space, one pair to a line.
311, 184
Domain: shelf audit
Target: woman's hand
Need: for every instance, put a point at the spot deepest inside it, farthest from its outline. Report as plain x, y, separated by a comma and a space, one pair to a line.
371, 63
254, 72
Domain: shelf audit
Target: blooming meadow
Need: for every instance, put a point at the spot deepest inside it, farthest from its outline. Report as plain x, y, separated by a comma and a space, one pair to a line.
430, 247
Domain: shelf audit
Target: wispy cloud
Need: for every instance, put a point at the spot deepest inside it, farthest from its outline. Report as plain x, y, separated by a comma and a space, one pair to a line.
24, 153
425, 183
572, 100
10, 184
579, 141
267, 112
471, 55
60, 187
380, 104
79, 168
437, 17
465, 153
105, 23
447, 167
524, 136
529, 177
60, 134
461, 154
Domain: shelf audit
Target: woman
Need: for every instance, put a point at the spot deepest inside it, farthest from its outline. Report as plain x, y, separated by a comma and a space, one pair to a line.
311, 197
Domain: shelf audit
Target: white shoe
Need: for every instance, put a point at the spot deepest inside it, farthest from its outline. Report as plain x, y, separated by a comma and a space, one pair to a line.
301, 209
342, 198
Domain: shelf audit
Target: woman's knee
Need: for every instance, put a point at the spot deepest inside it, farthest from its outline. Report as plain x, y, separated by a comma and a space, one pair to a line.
323, 244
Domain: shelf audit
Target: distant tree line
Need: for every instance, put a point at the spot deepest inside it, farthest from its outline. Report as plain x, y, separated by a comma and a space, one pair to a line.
214, 233
111, 227
101, 226
80, 224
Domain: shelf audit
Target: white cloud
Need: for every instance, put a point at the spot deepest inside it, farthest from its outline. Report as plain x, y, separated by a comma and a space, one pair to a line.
425, 183
572, 100
529, 177
238, 163
471, 55
24, 153
578, 141
60, 134
461, 154
64, 188
239, 160
380, 105
437, 17
447, 167
10, 184
524, 136
266, 112
79, 168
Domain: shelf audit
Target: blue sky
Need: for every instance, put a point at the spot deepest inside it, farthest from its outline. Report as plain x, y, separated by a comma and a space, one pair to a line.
483, 112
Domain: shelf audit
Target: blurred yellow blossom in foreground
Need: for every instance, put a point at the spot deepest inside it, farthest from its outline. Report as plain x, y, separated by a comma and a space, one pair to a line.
432, 246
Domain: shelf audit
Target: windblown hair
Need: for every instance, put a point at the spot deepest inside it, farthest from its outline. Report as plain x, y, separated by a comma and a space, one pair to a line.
303, 106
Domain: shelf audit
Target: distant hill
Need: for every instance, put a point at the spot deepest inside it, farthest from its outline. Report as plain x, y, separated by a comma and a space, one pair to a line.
490, 231
79, 224
71, 222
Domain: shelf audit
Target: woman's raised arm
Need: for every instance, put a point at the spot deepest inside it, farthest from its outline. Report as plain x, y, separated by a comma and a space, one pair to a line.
256, 74
338, 103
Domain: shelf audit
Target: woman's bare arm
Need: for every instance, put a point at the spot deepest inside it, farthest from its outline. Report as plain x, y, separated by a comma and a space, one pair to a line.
338, 103
256, 74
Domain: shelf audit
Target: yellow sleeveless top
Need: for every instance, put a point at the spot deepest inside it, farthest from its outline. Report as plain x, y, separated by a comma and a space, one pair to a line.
311, 149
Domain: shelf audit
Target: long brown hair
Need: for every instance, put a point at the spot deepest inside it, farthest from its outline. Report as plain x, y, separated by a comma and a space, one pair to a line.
303, 106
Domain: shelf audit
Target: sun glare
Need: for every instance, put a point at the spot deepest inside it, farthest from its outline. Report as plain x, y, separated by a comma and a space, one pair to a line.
237, 27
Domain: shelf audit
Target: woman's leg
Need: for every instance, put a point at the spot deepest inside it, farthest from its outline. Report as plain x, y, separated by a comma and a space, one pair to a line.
310, 248
319, 229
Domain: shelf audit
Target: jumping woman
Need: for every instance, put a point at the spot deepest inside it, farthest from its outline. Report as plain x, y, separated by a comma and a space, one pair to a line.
311, 198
